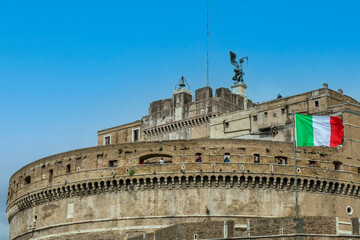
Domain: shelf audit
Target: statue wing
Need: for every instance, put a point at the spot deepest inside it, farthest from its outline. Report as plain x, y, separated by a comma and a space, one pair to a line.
233, 60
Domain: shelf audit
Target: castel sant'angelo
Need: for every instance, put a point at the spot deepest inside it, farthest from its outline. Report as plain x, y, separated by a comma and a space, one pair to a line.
213, 165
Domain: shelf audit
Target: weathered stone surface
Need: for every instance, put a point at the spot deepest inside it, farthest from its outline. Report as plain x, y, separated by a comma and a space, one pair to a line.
107, 192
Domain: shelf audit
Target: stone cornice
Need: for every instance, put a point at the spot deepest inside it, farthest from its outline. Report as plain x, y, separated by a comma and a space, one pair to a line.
170, 181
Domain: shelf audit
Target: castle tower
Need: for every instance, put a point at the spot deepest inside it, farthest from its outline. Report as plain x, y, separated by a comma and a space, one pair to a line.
181, 97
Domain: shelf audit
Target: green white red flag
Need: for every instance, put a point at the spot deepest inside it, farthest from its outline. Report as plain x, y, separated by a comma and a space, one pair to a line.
318, 130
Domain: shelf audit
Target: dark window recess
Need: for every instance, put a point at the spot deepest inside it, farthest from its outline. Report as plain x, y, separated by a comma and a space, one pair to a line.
255, 118
227, 157
256, 158
280, 160
136, 135
198, 157
68, 168
51, 174
337, 165
312, 163
113, 163
27, 180
265, 114
283, 111
227, 124
107, 140
358, 169
316, 103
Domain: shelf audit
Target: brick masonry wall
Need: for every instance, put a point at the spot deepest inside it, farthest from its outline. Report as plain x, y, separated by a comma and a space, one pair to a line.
272, 226
289, 225
204, 230
355, 226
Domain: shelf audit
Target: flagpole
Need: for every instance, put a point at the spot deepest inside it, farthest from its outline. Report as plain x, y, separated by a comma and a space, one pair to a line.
294, 146
207, 43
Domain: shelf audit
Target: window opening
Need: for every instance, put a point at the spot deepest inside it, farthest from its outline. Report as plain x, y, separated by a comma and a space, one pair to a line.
312, 163
27, 180
316, 103
113, 163
198, 157
337, 165
283, 111
227, 157
68, 168
265, 115
349, 210
51, 173
107, 140
280, 160
255, 118
256, 158
135, 135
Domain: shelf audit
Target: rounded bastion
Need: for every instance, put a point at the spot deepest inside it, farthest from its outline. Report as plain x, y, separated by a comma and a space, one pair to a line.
121, 189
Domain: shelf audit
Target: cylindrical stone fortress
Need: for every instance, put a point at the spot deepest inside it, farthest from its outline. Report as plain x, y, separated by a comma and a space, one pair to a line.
105, 190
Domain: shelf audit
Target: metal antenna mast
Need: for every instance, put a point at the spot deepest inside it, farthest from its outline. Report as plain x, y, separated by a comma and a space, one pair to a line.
207, 44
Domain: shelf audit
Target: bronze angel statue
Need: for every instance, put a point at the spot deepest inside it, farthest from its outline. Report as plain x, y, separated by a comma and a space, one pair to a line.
239, 73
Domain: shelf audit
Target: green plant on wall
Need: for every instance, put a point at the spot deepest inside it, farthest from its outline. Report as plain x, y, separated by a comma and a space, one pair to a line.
120, 150
132, 172
160, 148
182, 171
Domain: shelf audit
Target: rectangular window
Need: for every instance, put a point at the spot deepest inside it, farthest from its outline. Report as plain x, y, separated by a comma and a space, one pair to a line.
265, 114
283, 111
113, 163
51, 173
316, 103
280, 160
255, 118
107, 140
312, 163
227, 157
135, 134
256, 158
337, 165
27, 180
68, 168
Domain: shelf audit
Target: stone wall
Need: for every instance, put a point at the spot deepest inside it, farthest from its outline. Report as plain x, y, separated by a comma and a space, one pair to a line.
260, 228
202, 230
93, 188
290, 225
272, 120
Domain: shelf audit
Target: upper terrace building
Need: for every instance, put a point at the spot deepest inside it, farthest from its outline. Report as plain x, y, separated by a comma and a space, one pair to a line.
179, 117
227, 115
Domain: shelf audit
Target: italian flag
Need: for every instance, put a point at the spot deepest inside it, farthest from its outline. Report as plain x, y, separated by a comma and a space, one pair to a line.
318, 130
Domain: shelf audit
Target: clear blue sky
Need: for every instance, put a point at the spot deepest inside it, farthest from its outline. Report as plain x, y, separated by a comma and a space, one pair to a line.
70, 68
